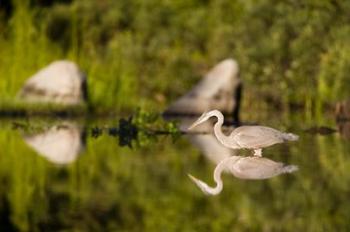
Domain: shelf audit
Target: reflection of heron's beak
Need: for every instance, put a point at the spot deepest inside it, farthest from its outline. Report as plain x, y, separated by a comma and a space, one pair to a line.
194, 179
203, 186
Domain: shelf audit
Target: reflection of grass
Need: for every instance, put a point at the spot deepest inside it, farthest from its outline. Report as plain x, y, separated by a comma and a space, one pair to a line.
118, 188
24, 174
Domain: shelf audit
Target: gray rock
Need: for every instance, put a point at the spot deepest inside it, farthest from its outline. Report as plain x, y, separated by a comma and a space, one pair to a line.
219, 89
60, 82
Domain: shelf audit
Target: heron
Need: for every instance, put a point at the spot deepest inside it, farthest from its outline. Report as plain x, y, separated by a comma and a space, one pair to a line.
251, 167
248, 137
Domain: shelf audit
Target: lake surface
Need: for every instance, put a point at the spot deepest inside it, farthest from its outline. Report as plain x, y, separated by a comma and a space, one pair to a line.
81, 176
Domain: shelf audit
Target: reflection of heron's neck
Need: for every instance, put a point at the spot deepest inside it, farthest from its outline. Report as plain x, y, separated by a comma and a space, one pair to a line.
217, 174
225, 140
217, 178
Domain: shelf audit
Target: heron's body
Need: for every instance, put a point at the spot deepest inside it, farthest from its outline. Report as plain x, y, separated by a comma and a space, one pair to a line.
249, 137
256, 137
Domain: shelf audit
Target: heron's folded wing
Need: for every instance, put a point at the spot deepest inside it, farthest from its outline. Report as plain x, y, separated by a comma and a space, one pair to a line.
255, 138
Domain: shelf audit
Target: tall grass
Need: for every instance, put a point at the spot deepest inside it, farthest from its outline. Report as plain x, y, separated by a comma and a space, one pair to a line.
149, 53
333, 79
24, 49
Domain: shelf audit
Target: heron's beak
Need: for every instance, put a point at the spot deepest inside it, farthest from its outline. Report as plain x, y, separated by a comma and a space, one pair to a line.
193, 125
197, 122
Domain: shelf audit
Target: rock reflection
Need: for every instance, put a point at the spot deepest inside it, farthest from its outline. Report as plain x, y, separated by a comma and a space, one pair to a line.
60, 144
204, 139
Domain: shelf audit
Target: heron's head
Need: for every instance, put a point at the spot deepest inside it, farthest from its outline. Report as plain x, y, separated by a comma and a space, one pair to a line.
203, 186
204, 117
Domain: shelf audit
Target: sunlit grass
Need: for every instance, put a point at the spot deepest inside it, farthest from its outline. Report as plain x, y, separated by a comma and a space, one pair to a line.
131, 64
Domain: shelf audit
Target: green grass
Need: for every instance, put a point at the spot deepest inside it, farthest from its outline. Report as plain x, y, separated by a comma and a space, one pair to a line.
146, 54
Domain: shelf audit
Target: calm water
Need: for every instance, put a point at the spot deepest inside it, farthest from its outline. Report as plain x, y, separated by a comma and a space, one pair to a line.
77, 176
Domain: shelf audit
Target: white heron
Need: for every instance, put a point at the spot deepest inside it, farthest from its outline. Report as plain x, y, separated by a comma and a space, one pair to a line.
251, 167
249, 137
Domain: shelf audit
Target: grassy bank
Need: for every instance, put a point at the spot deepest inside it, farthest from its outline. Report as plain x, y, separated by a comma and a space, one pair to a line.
146, 54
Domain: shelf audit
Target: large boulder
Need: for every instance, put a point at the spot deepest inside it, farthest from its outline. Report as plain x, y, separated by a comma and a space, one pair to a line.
219, 89
60, 82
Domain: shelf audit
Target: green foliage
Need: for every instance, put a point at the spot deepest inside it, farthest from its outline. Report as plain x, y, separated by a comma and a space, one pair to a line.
135, 53
151, 126
146, 54
153, 121
23, 51
298, 48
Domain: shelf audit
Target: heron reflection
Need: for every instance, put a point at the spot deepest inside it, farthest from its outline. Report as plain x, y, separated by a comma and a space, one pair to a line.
250, 137
251, 167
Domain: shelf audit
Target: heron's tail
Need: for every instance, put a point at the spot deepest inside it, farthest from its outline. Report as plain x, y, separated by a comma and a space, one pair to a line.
290, 137
290, 168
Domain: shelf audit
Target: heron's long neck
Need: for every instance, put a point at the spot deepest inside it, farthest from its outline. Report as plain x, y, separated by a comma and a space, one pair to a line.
225, 140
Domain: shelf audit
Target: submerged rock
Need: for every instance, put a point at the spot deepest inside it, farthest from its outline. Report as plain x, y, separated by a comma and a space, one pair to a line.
60, 82
220, 89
